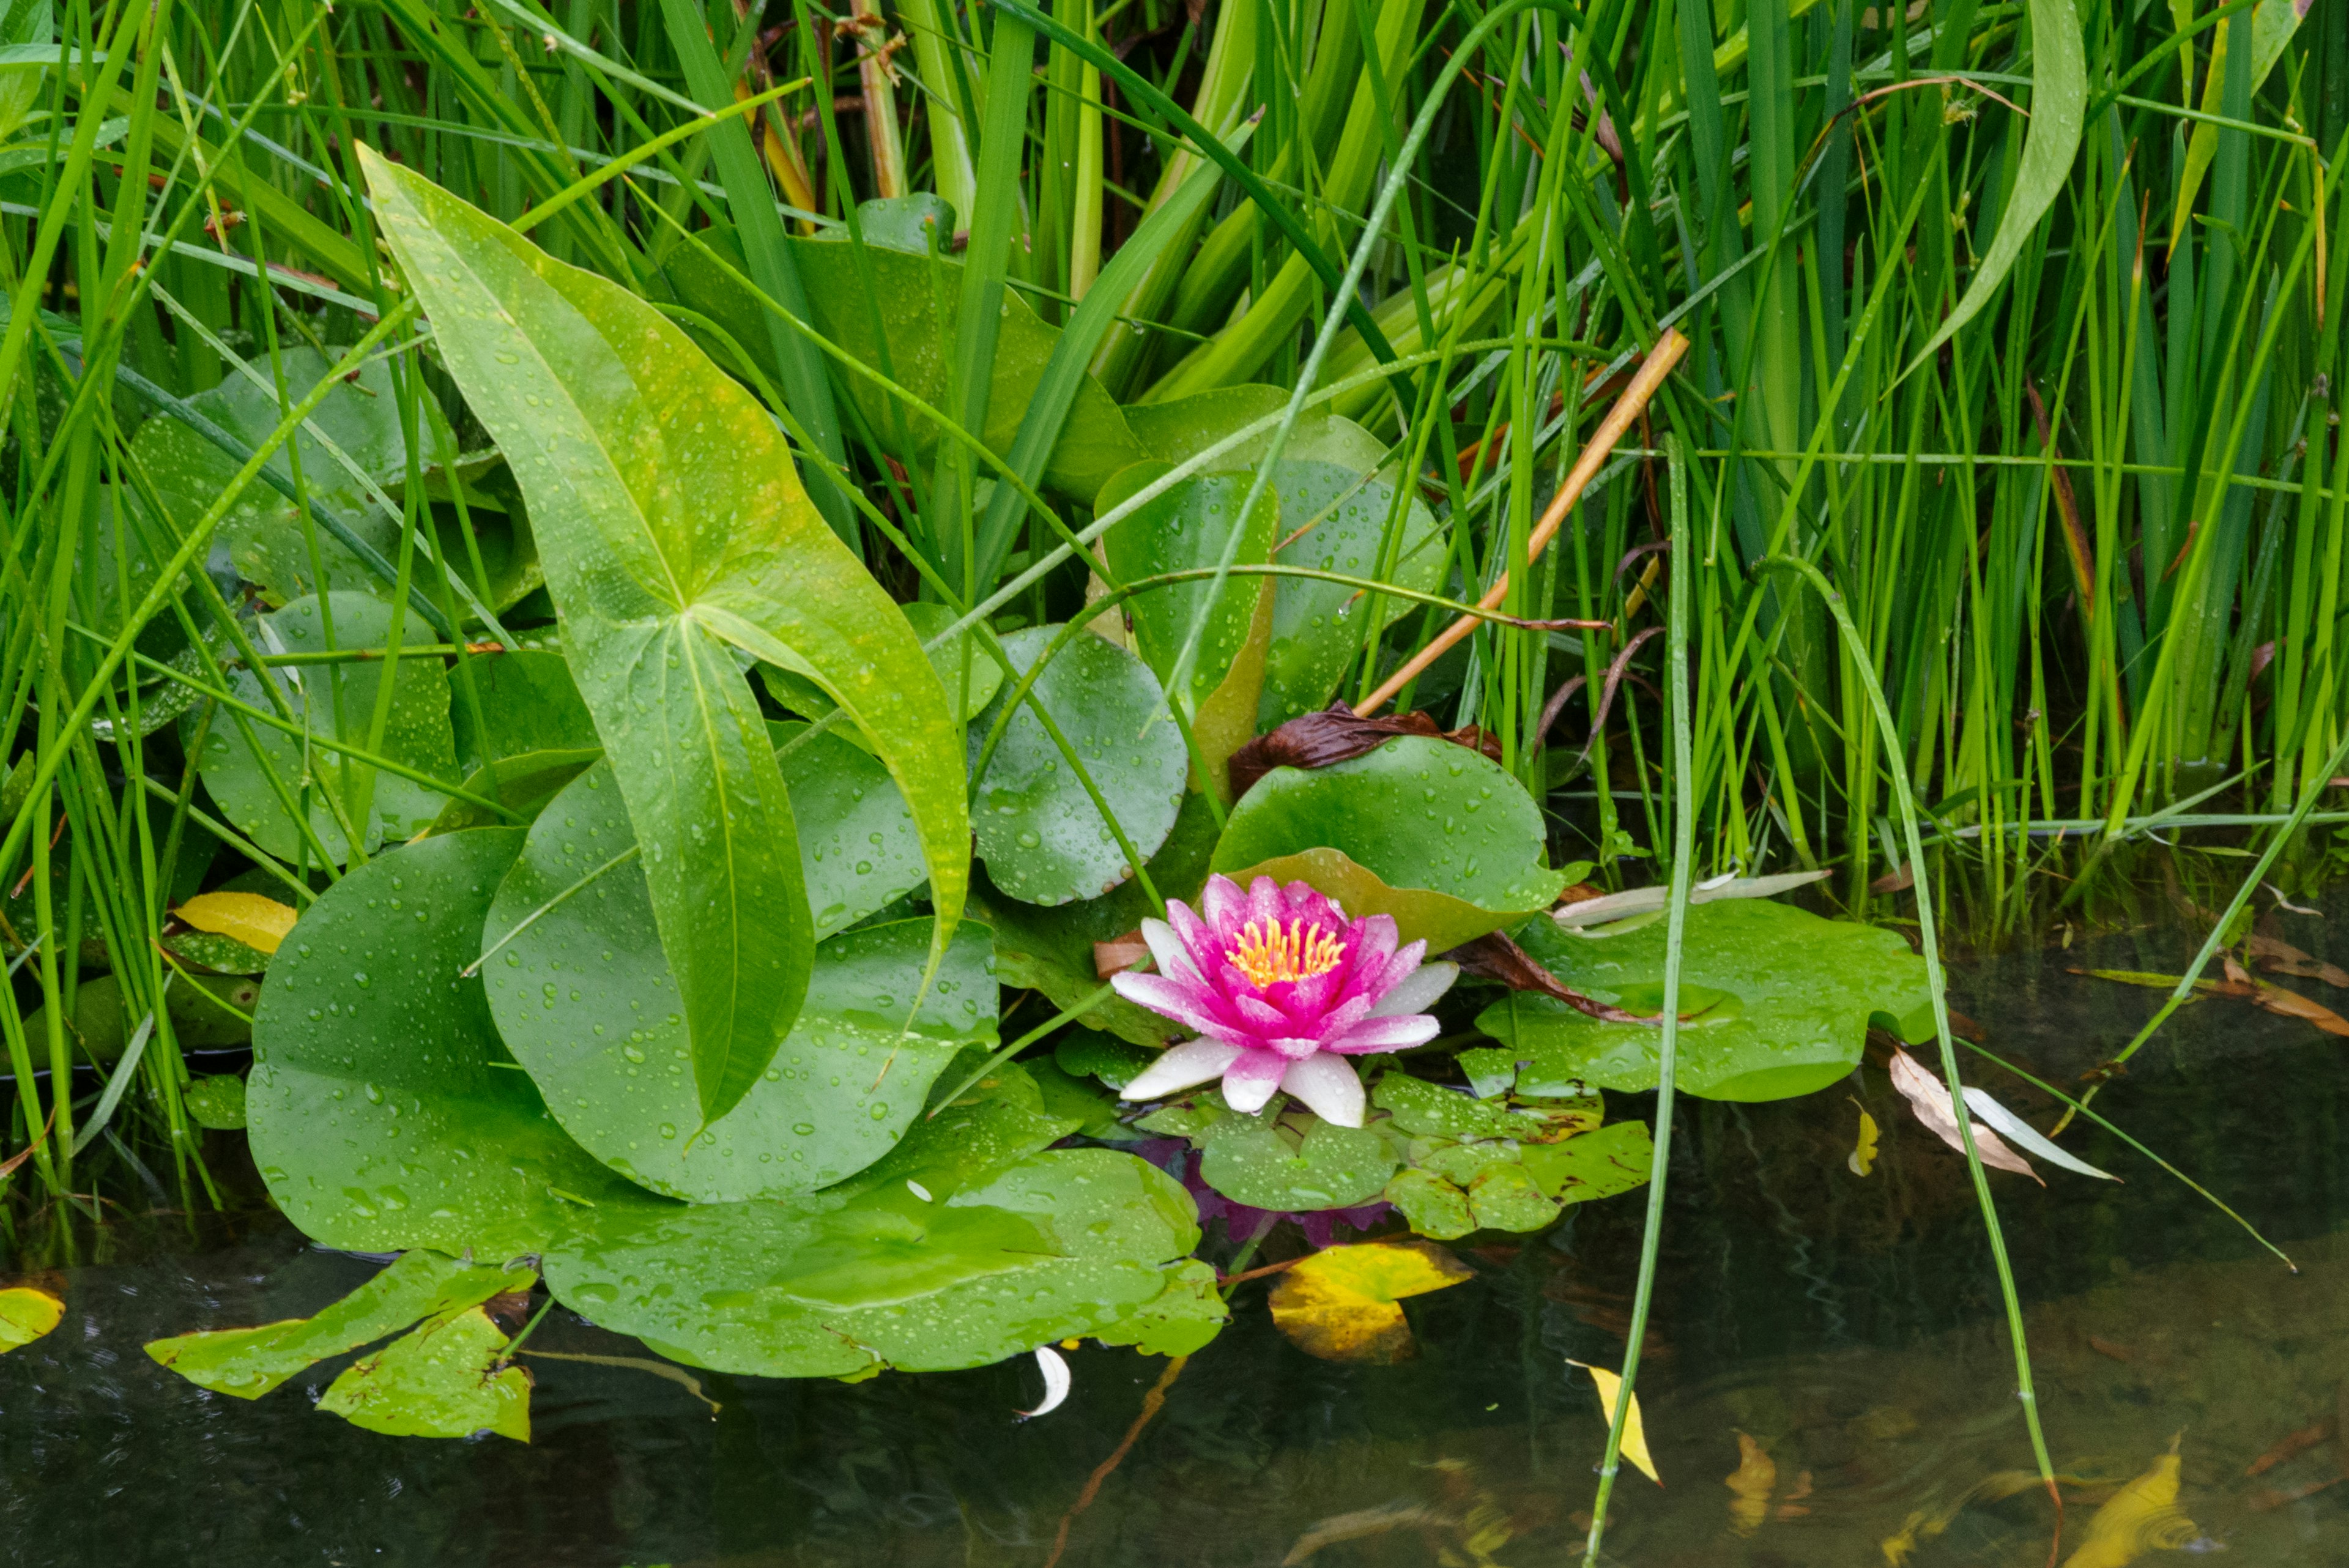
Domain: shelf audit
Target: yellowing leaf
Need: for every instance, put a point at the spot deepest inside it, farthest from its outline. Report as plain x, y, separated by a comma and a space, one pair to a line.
2142, 1516
1635, 1431
1339, 1304
1863, 1155
257, 922
25, 1314
1756, 1477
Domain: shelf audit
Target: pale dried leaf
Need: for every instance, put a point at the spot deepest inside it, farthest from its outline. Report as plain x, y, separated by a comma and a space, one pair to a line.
1929, 1096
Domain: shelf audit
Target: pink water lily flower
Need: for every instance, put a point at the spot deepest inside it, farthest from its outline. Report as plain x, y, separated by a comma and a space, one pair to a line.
1282, 987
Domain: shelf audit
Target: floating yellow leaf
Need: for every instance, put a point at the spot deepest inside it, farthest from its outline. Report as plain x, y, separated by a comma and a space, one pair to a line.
1750, 1488
257, 922
2142, 1516
1339, 1304
1863, 1156
1635, 1431
25, 1314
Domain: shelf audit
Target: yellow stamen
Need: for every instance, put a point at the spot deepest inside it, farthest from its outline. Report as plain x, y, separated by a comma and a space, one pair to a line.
1266, 954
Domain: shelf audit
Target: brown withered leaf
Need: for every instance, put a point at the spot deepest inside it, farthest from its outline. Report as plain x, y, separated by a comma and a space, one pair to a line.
1928, 1098
2285, 1003
2281, 958
1119, 953
1336, 735
1495, 958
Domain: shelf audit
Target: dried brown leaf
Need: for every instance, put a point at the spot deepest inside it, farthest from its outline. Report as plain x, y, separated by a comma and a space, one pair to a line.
1336, 735
1929, 1096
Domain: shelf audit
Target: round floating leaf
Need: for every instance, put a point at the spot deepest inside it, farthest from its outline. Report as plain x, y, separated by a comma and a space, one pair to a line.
382, 1112
25, 1314
1073, 1243
858, 846
585, 999
1339, 1304
1435, 1206
998, 1121
216, 1102
1434, 834
1786, 999
522, 783
970, 676
1051, 950
1258, 1161
222, 955
1083, 1053
1615, 1159
1039, 832
336, 701
1187, 529
438, 1381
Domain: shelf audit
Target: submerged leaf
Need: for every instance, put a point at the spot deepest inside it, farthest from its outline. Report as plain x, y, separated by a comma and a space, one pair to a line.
1750, 1487
1339, 1303
26, 1313
2142, 1516
1863, 1154
444, 1380
259, 923
250, 1361
1635, 1430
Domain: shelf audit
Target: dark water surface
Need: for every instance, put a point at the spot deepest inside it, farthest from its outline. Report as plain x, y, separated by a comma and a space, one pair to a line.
1849, 1327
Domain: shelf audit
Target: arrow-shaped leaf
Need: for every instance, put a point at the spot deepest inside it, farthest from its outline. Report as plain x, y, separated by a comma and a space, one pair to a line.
672, 524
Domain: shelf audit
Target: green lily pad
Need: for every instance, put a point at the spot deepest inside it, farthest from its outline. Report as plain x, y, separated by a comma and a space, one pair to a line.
1792, 996
216, 1101
1073, 1242
1434, 1111
263, 535
528, 703
585, 999
222, 955
1188, 529
1434, 1207
1086, 1053
1080, 1100
1434, 834
913, 302
1043, 836
1051, 950
859, 848
207, 1012
970, 676
997, 1122
1255, 1161
337, 700
250, 1361
1615, 1159
442, 1380
381, 1109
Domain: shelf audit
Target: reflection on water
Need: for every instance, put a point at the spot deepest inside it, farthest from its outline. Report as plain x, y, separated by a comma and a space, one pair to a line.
1829, 1379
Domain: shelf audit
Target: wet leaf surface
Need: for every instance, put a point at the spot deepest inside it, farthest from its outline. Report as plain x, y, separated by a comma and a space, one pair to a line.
250, 1361
1781, 1002
1257, 1160
585, 999
1339, 1304
1044, 839
528, 702
216, 1101
439, 1380
27, 1312
1452, 844
383, 1112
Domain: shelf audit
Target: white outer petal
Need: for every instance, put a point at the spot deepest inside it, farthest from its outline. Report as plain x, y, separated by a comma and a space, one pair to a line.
1173, 958
1250, 1095
1329, 1088
1418, 991
1056, 1382
1180, 1067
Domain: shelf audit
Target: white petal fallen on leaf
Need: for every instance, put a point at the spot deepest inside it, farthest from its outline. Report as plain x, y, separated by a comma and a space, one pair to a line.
2024, 1133
918, 1190
1056, 1382
1929, 1096
1641, 900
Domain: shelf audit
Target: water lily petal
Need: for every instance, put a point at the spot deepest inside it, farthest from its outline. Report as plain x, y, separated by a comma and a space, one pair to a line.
1386, 1035
1173, 957
1374, 941
1182, 1001
1180, 1067
1306, 902
1416, 992
1329, 1088
1224, 908
1265, 904
1250, 1080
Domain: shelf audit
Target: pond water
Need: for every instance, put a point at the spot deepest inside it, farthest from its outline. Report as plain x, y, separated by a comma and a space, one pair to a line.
1850, 1328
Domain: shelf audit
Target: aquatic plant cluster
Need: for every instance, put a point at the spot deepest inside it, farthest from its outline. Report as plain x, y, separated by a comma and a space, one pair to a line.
799, 676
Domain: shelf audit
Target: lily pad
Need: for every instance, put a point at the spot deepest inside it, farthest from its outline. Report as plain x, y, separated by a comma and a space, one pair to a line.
1051, 950
442, 1380
26, 1313
1187, 529
336, 700
970, 676
1073, 1243
1043, 836
997, 1122
216, 1101
1434, 834
382, 1111
1087, 1053
859, 848
220, 954
585, 999
1791, 998
250, 1361
1615, 1159
524, 785
1339, 1304
1255, 1161
1434, 1111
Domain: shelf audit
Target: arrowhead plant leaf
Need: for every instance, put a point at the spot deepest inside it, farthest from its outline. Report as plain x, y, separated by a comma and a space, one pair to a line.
673, 530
